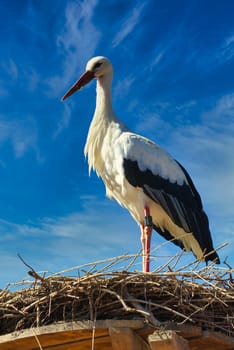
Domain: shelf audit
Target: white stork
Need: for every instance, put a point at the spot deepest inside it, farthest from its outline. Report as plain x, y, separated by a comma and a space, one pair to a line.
142, 177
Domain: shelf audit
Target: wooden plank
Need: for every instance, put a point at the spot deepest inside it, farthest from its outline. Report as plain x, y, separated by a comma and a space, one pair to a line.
66, 335
167, 340
212, 340
71, 327
79, 336
77, 340
219, 338
126, 338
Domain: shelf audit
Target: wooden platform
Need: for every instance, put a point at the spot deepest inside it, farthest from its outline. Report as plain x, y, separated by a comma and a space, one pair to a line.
114, 335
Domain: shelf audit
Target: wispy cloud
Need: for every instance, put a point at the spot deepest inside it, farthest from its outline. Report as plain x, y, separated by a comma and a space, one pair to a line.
158, 57
223, 111
129, 24
82, 225
27, 78
215, 56
63, 121
226, 50
152, 125
122, 87
9, 71
207, 154
78, 237
217, 143
10, 68
21, 133
76, 43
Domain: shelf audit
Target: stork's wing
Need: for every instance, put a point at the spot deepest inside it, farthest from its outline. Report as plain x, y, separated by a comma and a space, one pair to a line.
167, 183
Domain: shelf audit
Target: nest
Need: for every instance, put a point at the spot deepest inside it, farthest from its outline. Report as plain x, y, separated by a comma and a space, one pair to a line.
190, 295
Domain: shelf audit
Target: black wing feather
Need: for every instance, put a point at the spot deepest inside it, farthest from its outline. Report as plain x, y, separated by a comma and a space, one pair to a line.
181, 202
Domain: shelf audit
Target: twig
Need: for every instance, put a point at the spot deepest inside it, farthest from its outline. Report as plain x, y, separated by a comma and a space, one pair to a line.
37, 340
32, 272
191, 293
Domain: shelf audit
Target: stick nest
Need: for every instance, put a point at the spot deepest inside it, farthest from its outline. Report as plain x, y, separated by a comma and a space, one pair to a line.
203, 297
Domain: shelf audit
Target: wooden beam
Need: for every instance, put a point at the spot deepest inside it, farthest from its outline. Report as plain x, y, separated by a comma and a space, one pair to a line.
167, 340
124, 338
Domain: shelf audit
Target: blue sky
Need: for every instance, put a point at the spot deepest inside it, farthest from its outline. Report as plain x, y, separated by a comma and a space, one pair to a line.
173, 83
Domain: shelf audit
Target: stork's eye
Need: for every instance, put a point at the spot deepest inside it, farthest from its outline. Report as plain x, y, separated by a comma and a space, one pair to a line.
97, 65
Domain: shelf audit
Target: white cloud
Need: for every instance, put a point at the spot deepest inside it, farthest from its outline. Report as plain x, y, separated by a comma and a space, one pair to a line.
186, 105
63, 122
226, 51
222, 113
213, 57
216, 144
11, 69
128, 24
156, 60
26, 78
152, 123
205, 59
102, 229
122, 87
94, 222
229, 40
209, 155
76, 44
22, 134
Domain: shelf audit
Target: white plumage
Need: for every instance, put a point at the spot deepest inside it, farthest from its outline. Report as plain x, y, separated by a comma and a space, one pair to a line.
141, 176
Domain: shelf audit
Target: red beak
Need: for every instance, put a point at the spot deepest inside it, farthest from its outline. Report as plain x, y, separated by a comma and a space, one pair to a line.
83, 80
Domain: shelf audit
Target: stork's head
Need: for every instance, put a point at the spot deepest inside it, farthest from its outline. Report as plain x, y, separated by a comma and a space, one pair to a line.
99, 66
95, 68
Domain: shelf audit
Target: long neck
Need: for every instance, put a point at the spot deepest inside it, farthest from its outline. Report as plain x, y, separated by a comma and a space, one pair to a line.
102, 118
104, 111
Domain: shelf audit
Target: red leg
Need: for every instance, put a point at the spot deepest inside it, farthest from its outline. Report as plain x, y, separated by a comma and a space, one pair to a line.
146, 232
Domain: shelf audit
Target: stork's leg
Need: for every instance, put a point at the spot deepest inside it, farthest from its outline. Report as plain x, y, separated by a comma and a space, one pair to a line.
146, 232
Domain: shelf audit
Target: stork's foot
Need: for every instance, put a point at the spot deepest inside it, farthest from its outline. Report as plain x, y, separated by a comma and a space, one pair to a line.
146, 233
